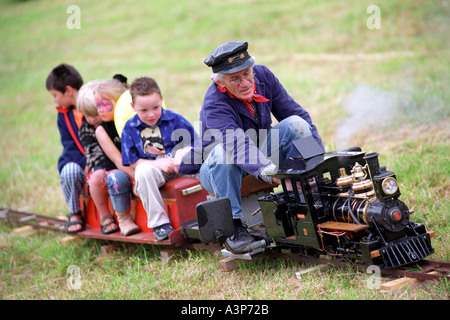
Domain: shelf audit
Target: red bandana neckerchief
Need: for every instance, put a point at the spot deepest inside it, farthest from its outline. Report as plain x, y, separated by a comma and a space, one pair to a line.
256, 97
78, 120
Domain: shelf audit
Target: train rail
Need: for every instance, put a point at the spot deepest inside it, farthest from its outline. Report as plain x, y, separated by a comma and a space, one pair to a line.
424, 270
32, 219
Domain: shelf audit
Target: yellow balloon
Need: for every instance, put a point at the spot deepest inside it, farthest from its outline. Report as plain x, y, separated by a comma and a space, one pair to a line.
124, 111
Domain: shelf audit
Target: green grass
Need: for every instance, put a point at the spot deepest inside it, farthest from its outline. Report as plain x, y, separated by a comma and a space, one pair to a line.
36, 268
321, 51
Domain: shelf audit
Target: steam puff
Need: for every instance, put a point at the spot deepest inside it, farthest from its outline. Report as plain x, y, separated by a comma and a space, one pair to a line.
366, 108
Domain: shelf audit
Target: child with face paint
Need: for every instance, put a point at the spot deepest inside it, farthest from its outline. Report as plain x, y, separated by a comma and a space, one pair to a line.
118, 178
95, 157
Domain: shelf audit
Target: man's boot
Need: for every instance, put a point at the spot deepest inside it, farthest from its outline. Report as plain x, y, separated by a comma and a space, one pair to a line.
241, 238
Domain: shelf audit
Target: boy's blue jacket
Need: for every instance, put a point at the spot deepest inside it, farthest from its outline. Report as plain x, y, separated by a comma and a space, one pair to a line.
221, 111
68, 130
176, 132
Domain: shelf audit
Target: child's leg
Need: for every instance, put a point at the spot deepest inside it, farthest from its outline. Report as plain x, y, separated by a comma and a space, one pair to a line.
100, 196
119, 187
72, 178
148, 180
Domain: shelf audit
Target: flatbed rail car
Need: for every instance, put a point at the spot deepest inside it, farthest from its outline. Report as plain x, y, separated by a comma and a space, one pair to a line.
180, 197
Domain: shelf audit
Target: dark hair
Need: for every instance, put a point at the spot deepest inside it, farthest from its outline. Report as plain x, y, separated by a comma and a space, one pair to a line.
143, 86
121, 78
64, 75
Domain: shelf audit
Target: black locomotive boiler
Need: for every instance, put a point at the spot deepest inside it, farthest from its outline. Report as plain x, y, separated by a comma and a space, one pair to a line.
341, 204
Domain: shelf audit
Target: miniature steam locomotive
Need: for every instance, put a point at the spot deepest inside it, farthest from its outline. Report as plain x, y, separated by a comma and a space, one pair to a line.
341, 204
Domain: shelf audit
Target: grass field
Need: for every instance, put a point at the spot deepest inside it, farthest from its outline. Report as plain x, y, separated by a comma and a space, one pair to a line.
386, 90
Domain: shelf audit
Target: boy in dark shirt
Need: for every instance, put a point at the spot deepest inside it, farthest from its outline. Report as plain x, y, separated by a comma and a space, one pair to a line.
63, 83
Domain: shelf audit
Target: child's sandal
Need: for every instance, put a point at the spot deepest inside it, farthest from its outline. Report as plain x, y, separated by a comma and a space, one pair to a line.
104, 226
73, 223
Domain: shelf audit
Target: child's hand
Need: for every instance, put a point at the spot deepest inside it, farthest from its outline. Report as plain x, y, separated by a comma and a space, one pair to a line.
166, 165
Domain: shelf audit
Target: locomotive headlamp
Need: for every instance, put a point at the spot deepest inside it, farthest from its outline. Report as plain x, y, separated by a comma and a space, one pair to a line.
389, 186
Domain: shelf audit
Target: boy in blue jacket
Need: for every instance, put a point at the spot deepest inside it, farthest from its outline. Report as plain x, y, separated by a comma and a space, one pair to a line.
153, 143
63, 83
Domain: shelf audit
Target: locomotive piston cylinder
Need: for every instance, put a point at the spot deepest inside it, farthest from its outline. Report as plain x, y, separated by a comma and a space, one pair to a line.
392, 215
342, 207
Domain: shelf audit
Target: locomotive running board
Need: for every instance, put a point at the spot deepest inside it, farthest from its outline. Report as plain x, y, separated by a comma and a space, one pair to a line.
333, 225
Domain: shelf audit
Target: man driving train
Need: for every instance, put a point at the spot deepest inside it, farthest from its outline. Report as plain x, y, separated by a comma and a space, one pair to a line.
238, 136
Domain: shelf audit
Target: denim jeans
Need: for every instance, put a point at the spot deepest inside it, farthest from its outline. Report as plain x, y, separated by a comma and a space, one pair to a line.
223, 178
119, 187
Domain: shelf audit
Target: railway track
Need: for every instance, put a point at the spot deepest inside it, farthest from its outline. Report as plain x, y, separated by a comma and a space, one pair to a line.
425, 269
32, 219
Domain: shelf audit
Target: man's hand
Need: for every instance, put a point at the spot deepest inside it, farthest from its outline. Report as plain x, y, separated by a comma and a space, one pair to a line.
267, 171
276, 180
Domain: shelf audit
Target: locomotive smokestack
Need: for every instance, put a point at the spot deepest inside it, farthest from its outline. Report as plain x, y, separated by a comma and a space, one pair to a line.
372, 162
